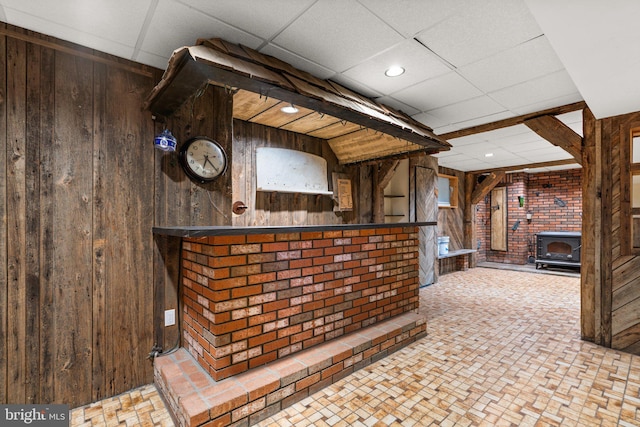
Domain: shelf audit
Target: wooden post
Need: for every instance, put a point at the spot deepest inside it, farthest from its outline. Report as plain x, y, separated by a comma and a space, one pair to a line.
470, 231
590, 232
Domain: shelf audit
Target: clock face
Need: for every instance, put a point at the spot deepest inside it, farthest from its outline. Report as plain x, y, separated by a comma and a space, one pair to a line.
203, 159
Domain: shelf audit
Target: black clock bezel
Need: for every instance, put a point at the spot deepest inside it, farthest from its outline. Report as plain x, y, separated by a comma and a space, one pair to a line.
182, 155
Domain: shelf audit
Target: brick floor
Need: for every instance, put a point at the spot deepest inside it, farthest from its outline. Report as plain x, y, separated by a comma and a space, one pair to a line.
503, 348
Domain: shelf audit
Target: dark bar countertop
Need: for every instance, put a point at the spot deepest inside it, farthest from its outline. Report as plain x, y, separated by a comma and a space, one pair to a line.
203, 231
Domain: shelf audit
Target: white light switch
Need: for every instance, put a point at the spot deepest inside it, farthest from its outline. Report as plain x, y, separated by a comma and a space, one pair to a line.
170, 317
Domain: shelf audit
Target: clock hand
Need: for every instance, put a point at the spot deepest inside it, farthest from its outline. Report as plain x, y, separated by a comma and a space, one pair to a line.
206, 159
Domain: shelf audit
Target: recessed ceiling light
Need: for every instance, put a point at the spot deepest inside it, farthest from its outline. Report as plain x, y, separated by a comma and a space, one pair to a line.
289, 109
489, 155
394, 71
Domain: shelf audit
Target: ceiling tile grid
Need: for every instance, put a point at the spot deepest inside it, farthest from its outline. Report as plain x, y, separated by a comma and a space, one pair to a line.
467, 62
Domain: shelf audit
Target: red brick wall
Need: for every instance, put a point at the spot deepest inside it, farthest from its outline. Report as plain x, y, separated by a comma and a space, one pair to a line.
251, 299
544, 193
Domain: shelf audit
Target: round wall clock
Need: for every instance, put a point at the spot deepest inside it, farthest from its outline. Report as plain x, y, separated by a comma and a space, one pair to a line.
203, 159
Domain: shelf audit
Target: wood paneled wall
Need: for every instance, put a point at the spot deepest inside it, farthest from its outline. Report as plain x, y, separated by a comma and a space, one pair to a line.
76, 200
610, 267
83, 281
271, 208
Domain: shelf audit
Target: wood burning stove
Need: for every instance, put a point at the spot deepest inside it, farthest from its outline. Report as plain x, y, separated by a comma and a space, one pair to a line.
558, 248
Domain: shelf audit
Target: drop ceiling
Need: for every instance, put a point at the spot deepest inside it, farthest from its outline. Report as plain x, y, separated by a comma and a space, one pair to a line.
467, 62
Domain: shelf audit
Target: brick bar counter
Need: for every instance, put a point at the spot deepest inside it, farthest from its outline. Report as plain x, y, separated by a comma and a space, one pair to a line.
296, 307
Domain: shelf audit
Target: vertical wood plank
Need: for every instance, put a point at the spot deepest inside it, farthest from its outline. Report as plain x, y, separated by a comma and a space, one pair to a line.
32, 224
73, 157
606, 242
128, 220
16, 226
101, 186
587, 277
4, 303
47, 223
241, 177
222, 132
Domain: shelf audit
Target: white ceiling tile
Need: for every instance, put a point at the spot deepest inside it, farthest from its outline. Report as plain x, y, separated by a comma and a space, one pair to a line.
509, 133
394, 103
429, 120
481, 29
419, 64
465, 165
573, 120
477, 151
174, 25
549, 103
599, 49
535, 91
157, 61
495, 44
298, 61
478, 121
571, 117
526, 61
78, 21
258, 17
523, 142
356, 86
338, 34
448, 153
437, 92
471, 109
71, 34
409, 17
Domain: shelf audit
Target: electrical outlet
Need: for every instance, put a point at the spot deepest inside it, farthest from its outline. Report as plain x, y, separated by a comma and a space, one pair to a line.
170, 317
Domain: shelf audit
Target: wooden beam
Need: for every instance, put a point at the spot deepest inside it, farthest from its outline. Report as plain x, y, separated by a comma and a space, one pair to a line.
486, 186
526, 166
513, 120
386, 170
382, 174
557, 133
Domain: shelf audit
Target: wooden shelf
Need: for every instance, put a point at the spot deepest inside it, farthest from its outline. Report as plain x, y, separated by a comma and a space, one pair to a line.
393, 196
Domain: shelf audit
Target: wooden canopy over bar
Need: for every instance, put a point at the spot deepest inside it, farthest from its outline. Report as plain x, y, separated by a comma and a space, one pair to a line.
356, 127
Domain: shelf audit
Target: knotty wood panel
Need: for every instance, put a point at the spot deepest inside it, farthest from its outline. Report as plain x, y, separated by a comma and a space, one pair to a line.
72, 225
16, 224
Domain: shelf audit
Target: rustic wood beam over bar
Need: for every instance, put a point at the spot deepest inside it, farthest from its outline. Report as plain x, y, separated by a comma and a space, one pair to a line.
581, 105
557, 133
224, 64
486, 186
527, 166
